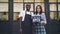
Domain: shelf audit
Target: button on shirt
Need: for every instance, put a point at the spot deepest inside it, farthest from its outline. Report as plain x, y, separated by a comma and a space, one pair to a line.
22, 14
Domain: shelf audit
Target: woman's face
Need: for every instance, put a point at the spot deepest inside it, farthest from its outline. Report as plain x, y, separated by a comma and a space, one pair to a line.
38, 9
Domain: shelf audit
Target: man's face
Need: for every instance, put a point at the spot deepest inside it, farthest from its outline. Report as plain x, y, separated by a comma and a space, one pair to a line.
28, 7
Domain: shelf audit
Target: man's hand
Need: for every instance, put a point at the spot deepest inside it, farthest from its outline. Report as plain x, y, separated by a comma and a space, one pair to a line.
20, 30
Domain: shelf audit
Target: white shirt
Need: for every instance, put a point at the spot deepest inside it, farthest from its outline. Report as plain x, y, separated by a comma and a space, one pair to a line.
22, 14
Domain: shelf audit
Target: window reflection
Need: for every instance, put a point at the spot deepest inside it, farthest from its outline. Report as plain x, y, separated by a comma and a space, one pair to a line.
3, 7
58, 7
3, 10
59, 15
28, 0
52, 0
18, 7
39, 0
3, 0
18, 0
58, 0
3, 16
16, 16
53, 15
53, 7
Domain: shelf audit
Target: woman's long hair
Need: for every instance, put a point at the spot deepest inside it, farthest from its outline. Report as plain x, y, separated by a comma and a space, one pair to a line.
40, 9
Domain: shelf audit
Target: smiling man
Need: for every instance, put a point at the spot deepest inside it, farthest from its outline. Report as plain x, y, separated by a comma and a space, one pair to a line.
25, 17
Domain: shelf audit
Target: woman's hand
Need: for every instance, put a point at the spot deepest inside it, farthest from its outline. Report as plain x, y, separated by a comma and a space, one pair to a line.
43, 22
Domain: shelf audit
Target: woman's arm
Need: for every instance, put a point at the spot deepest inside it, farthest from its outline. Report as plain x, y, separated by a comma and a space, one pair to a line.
44, 19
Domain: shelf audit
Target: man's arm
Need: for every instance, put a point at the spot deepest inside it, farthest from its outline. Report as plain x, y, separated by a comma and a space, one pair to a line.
20, 25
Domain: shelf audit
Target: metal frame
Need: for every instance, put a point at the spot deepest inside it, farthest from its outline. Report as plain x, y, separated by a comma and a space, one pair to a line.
56, 7
10, 12
47, 10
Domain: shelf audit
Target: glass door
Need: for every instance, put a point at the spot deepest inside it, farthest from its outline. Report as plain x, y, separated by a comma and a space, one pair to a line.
54, 16
54, 9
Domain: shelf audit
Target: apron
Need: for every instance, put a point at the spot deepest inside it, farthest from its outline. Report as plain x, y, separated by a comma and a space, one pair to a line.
27, 25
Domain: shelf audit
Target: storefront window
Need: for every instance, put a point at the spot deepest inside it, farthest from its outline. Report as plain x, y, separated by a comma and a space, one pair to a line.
53, 7
4, 10
19, 5
53, 15
52, 0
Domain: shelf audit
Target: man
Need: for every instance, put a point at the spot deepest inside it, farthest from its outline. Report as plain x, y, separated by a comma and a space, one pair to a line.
26, 21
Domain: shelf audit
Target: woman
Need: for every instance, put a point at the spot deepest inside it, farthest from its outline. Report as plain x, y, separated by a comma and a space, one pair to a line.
39, 26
